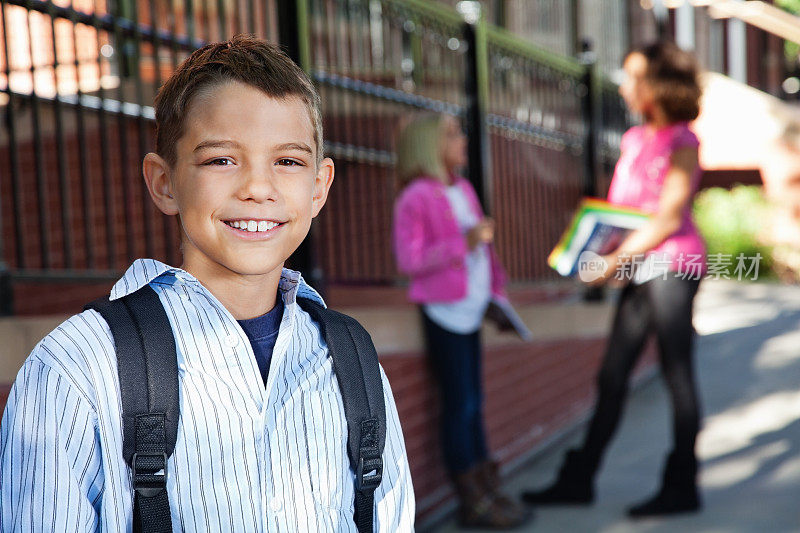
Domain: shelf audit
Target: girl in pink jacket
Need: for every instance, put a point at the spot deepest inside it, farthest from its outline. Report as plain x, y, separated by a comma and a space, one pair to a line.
443, 242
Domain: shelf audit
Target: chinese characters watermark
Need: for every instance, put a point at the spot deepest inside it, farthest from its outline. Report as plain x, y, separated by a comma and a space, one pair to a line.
644, 267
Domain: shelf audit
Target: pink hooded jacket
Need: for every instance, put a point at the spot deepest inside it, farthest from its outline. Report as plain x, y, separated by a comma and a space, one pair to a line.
430, 247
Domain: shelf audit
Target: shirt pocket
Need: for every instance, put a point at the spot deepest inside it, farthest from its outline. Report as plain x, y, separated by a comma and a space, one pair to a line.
332, 481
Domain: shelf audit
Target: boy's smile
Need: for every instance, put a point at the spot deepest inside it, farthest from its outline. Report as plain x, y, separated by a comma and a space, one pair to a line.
245, 182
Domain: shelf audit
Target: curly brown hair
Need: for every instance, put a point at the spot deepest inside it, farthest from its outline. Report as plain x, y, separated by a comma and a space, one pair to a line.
673, 75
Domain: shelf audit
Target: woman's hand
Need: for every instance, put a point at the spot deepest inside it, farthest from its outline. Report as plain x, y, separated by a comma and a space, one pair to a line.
612, 262
481, 233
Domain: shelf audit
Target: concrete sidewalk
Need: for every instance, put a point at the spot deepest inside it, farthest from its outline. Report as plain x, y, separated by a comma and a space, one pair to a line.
748, 365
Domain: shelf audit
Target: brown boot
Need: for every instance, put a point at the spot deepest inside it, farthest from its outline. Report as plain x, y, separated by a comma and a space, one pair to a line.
490, 476
479, 508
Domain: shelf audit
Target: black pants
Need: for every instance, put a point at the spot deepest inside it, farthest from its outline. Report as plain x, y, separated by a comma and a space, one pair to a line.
663, 307
456, 363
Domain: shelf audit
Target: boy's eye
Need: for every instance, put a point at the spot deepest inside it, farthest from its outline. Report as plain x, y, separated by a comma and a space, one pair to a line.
286, 162
219, 162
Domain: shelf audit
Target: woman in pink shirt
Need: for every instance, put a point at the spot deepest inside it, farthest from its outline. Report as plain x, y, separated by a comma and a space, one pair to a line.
657, 172
443, 242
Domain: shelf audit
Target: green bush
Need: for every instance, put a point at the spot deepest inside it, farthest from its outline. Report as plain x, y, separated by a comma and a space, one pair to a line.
731, 221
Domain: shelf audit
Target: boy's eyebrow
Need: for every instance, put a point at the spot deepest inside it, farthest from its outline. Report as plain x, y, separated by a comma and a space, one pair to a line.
303, 147
214, 143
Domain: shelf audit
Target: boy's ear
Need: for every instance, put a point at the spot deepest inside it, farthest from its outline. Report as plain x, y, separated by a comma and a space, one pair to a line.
322, 184
156, 176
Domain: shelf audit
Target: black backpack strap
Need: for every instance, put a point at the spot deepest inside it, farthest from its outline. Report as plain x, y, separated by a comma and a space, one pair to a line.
148, 378
355, 363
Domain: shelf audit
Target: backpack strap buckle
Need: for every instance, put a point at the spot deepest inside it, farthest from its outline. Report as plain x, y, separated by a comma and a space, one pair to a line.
369, 470
369, 473
149, 473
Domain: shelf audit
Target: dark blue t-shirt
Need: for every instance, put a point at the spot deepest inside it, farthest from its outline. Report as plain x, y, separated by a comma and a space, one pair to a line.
262, 332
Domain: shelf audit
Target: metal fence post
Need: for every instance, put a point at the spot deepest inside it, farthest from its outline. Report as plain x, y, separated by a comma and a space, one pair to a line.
6, 291
477, 90
589, 110
294, 37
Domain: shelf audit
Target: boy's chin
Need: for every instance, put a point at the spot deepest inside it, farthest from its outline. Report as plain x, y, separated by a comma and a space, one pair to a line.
253, 267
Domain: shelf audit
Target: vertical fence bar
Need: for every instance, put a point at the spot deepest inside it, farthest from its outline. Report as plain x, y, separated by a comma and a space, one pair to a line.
265, 19
156, 45
141, 127
63, 175
205, 19
223, 25
344, 65
13, 155
6, 290
188, 17
588, 109
123, 64
105, 162
251, 17
41, 186
476, 86
83, 156
147, 207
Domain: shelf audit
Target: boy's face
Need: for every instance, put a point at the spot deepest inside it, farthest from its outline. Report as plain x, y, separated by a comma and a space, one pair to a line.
245, 181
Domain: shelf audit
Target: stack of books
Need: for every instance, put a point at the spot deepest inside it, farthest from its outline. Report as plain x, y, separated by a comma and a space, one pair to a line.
598, 227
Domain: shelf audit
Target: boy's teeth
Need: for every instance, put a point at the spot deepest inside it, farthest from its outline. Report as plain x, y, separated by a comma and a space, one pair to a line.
253, 225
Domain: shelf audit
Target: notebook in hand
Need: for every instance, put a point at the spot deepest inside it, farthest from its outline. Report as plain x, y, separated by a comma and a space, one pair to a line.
598, 227
505, 317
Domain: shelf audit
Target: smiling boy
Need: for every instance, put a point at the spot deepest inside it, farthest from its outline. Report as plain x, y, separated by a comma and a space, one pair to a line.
262, 438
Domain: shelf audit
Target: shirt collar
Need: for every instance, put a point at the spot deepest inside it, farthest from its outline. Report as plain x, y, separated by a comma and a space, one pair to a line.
143, 271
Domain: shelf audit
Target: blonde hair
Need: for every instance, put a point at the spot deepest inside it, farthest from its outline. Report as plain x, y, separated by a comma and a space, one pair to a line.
419, 149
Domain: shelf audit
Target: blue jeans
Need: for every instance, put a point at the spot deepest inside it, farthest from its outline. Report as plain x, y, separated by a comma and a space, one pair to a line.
456, 363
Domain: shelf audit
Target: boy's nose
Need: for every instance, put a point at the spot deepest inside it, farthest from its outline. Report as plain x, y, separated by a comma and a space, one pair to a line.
258, 186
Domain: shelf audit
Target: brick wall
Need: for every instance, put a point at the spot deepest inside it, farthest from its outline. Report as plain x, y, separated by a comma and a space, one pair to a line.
39, 299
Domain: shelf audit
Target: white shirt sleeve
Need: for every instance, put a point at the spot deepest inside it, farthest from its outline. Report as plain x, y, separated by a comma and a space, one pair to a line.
51, 478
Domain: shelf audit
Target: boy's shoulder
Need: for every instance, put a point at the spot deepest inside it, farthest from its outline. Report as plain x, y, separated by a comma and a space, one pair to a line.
80, 350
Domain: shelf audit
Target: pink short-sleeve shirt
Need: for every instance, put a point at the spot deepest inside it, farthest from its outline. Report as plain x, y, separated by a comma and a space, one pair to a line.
638, 181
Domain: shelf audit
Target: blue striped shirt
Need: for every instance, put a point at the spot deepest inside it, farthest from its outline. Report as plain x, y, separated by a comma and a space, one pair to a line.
249, 456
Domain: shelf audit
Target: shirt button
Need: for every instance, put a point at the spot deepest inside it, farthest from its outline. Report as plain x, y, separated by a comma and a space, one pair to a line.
232, 340
276, 505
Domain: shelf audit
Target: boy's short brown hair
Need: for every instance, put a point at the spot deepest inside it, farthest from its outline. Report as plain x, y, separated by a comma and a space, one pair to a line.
673, 75
243, 58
